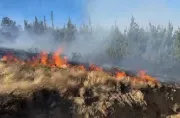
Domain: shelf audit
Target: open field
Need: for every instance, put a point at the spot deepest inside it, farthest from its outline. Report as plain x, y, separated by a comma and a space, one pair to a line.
51, 92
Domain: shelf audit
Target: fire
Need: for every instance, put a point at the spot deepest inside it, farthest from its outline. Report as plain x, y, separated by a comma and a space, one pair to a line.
44, 58
81, 67
35, 61
146, 77
4, 58
142, 77
95, 68
58, 61
120, 75
9, 57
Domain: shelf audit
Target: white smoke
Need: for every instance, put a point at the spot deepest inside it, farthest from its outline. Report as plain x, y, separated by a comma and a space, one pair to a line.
103, 15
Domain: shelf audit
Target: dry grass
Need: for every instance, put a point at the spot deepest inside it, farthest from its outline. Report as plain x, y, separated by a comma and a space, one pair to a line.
27, 76
92, 93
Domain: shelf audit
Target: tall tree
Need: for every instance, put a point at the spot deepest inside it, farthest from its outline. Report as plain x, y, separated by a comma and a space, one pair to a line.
39, 27
9, 27
70, 31
28, 27
177, 45
117, 47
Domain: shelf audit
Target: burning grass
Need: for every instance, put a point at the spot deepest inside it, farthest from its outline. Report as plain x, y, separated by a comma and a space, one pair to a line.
50, 87
62, 62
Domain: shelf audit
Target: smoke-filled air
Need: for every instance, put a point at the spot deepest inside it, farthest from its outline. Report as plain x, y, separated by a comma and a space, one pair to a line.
89, 59
132, 36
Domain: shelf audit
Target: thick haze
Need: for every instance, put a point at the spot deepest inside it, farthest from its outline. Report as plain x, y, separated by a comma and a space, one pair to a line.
103, 15
158, 12
25, 42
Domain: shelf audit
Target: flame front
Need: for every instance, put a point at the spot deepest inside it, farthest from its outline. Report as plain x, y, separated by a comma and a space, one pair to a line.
120, 75
146, 77
57, 61
95, 68
44, 58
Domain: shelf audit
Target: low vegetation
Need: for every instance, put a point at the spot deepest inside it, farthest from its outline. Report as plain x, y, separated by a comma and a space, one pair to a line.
40, 91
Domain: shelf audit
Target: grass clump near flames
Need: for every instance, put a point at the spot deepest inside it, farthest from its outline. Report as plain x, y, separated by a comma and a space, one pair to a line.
91, 91
57, 61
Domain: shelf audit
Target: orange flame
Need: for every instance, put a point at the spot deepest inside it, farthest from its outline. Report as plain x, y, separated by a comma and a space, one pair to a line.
44, 58
59, 61
4, 58
120, 75
146, 77
81, 67
95, 68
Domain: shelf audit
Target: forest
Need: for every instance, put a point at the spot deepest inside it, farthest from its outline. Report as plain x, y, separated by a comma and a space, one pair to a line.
159, 44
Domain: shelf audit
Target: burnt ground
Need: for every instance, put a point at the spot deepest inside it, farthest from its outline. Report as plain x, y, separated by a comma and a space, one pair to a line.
43, 92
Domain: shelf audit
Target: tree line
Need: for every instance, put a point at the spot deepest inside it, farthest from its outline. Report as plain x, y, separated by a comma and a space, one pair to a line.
155, 43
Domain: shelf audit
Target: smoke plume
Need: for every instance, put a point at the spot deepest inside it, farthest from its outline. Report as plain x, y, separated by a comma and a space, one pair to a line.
145, 46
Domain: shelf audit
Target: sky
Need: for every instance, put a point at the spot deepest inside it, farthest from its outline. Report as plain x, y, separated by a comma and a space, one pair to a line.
101, 12
28, 9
